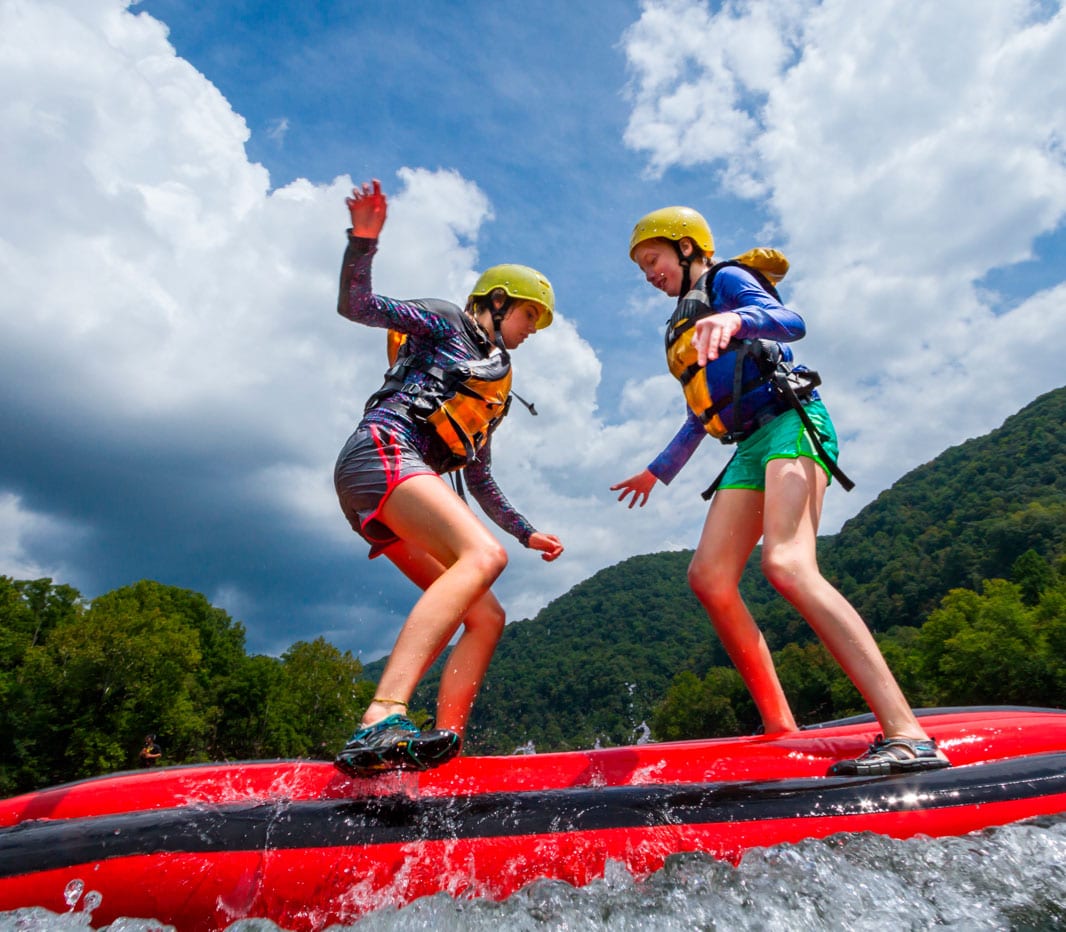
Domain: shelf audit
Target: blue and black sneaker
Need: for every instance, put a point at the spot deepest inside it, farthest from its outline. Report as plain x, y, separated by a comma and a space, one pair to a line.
395, 743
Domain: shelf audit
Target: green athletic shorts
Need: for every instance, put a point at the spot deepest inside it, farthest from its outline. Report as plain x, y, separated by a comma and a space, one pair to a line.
783, 438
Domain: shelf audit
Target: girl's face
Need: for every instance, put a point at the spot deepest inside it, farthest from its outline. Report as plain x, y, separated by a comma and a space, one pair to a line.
658, 261
519, 322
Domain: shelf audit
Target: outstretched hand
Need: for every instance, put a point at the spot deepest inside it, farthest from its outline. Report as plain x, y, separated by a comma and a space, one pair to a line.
639, 486
368, 207
713, 333
548, 544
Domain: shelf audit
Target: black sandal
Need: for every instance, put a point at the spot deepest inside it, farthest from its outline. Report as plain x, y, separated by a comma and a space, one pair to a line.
894, 755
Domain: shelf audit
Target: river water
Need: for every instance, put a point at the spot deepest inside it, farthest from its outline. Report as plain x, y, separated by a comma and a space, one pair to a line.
1009, 878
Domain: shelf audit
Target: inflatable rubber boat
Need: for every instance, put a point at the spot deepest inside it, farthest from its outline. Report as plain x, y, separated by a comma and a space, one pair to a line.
301, 844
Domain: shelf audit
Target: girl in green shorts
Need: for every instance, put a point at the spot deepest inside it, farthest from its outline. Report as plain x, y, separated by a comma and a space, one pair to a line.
727, 338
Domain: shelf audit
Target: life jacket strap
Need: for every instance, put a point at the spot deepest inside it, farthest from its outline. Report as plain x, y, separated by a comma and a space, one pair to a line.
783, 385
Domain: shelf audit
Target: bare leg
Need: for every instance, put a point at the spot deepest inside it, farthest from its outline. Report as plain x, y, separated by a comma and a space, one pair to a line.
469, 660
424, 512
795, 490
730, 533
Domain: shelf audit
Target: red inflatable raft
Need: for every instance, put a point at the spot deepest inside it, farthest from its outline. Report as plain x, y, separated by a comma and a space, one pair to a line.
299, 843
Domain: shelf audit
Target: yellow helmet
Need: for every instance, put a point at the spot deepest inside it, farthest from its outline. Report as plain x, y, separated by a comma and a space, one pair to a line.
519, 282
673, 223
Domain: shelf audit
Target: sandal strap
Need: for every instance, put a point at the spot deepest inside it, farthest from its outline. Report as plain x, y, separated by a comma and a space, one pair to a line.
901, 749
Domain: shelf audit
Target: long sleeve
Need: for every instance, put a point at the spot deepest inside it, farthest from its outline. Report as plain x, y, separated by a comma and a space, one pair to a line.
483, 487
764, 318
678, 451
357, 301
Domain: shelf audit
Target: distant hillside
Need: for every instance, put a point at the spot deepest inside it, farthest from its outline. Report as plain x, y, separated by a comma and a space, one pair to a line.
964, 517
594, 662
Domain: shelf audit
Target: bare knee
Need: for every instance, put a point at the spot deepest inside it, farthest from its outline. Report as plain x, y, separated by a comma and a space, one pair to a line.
487, 560
785, 570
714, 589
487, 620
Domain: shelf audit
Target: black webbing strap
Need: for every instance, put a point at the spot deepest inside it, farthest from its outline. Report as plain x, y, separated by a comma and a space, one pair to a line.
784, 386
787, 393
713, 487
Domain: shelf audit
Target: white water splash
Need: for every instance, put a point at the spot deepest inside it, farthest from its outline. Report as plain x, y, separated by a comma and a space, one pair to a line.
1012, 877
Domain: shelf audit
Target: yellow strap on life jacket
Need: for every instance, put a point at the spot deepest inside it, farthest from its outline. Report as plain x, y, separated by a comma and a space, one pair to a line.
396, 339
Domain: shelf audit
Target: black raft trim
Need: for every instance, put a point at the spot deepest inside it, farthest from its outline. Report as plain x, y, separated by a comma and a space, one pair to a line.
285, 824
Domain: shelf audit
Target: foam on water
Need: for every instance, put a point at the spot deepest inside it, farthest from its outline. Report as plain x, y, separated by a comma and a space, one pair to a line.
1005, 878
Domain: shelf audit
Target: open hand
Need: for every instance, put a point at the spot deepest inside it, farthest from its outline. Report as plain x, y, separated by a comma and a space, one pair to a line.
713, 333
368, 207
639, 486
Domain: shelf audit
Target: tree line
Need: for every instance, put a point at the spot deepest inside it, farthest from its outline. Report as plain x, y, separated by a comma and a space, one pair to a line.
82, 684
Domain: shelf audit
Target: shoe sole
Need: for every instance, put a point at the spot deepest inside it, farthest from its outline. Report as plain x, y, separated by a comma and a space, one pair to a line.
883, 770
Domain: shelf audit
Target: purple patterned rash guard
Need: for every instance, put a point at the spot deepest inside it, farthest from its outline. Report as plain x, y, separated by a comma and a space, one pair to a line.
439, 334
762, 318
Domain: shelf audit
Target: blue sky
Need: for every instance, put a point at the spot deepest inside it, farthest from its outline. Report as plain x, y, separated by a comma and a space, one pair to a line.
176, 384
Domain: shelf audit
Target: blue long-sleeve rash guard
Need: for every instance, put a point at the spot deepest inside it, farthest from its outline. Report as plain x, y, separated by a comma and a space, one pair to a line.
762, 318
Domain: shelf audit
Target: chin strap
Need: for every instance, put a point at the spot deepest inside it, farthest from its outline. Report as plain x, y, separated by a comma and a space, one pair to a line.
686, 265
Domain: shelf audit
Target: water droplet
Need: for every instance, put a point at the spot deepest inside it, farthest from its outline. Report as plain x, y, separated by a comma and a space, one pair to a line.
73, 891
92, 900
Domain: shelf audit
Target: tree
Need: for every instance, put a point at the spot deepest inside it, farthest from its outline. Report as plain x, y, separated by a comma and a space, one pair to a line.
987, 647
220, 642
101, 682
695, 708
29, 610
318, 700
1033, 575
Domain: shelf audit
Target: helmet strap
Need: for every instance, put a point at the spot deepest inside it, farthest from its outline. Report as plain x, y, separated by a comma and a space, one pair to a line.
686, 266
496, 314
499, 313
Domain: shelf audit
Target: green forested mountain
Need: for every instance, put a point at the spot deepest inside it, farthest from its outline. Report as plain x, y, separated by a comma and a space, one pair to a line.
960, 519
595, 663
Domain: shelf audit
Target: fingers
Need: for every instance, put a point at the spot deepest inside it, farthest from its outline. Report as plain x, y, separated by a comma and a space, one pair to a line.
713, 334
710, 343
639, 486
549, 545
639, 495
368, 189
